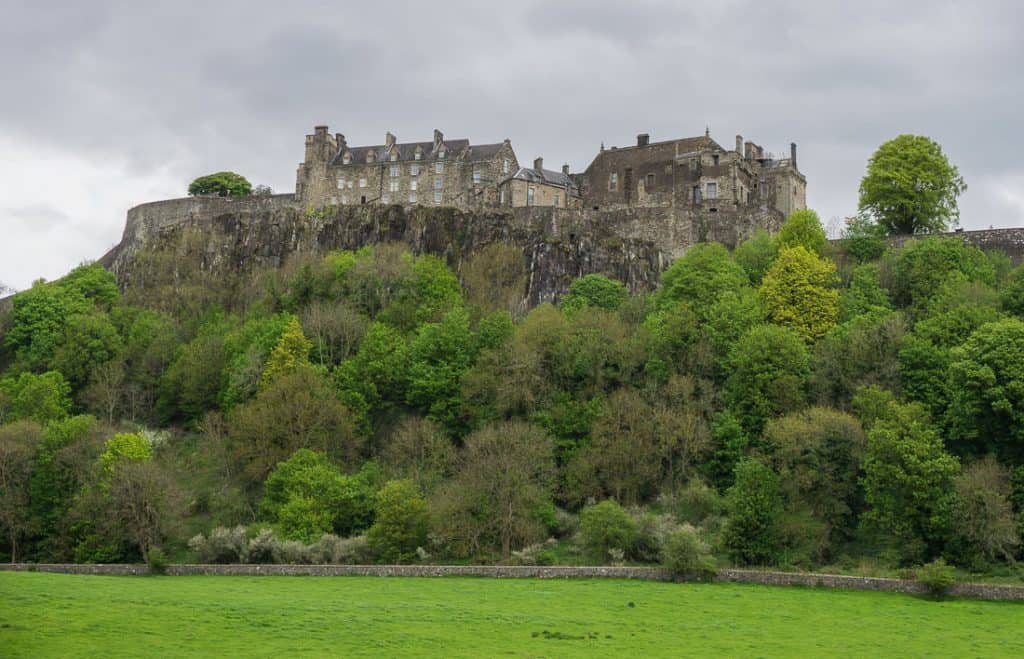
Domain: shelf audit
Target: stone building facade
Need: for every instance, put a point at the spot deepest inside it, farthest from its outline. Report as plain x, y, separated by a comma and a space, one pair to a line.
441, 172
536, 186
694, 175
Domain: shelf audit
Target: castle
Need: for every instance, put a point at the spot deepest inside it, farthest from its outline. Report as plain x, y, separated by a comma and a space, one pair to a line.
692, 177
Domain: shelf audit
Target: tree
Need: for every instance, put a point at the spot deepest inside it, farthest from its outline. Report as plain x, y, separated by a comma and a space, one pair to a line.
909, 485
1012, 296
290, 353
224, 184
864, 293
755, 254
863, 239
923, 268
439, 355
606, 527
419, 450
703, 273
803, 228
769, 369
594, 290
142, 506
911, 187
494, 278
797, 292
984, 519
88, 342
40, 398
752, 533
18, 445
37, 321
499, 495
861, 351
400, 524
986, 410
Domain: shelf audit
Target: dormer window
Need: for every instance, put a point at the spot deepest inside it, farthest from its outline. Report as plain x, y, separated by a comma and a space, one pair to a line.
419, 154
370, 156
347, 158
394, 156
440, 154
505, 166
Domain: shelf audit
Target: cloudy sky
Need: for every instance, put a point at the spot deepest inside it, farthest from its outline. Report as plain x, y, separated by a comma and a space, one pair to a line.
109, 104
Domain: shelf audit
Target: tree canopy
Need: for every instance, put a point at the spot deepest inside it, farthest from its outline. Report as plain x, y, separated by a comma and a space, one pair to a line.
911, 187
223, 184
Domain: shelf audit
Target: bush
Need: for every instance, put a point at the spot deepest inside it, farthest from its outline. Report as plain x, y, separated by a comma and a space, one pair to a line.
937, 576
401, 522
223, 545
265, 548
340, 551
606, 527
652, 530
156, 559
539, 553
693, 503
686, 555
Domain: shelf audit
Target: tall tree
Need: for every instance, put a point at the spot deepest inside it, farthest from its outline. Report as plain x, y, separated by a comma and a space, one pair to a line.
911, 187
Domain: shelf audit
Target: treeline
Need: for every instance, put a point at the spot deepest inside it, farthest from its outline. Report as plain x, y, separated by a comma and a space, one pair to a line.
789, 403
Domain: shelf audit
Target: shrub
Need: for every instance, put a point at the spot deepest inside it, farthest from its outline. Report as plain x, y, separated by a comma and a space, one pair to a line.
606, 527
693, 503
937, 576
340, 551
157, 560
539, 553
686, 555
652, 530
265, 548
222, 545
401, 522
295, 552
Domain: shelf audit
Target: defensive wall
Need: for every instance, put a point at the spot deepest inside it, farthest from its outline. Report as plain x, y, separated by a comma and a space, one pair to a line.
763, 577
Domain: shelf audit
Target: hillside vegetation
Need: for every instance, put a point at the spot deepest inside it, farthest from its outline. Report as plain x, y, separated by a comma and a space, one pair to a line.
791, 403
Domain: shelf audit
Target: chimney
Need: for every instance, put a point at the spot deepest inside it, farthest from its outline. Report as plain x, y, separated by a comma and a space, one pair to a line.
739, 145
643, 139
565, 169
340, 139
792, 154
389, 140
748, 150
538, 164
320, 130
438, 138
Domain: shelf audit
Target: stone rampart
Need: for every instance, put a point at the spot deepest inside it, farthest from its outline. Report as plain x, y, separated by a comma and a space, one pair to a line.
763, 577
1010, 241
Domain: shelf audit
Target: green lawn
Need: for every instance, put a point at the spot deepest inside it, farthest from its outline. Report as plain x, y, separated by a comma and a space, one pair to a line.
44, 615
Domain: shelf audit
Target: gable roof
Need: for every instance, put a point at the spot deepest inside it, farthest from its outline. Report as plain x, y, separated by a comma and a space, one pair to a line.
454, 149
545, 177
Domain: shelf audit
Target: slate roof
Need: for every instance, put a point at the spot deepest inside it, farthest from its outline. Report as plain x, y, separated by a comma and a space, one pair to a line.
455, 149
545, 177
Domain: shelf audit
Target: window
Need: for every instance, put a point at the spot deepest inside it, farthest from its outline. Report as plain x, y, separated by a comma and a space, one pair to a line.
362, 182
613, 181
714, 159
439, 168
334, 200
394, 170
556, 199
696, 194
418, 154
437, 197
502, 198
693, 164
344, 199
412, 185
712, 190
440, 154
370, 156
385, 199
414, 170
505, 166
348, 184
341, 183
347, 158
392, 186
394, 156
438, 182
412, 197
476, 175
650, 182
529, 196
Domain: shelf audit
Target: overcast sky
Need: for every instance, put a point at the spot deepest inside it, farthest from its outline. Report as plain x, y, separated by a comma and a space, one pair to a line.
106, 105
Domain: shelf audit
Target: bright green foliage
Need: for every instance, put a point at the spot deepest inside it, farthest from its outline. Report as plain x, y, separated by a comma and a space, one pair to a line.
797, 292
864, 293
700, 276
37, 321
494, 330
673, 341
290, 353
89, 341
730, 443
439, 355
1012, 297
923, 267
93, 282
752, 533
307, 496
755, 254
911, 187
863, 239
400, 524
224, 184
803, 229
729, 318
124, 447
769, 370
606, 527
424, 292
594, 291
245, 353
40, 398
909, 485
376, 373
986, 411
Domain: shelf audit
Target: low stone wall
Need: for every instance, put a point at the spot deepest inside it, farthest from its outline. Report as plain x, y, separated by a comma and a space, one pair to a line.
764, 577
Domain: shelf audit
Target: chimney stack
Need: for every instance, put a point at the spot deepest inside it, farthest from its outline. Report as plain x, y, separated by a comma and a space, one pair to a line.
389, 140
643, 139
340, 139
739, 145
792, 154
438, 138
565, 169
538, 164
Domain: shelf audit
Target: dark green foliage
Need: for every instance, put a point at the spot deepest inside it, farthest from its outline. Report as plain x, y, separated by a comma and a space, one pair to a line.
686, 555
863, 239
755, 255
224, 184
937, 576
864, 293
769, 372
1012, 297
606, 527
752, 533
923, 267
594, 291
400, 523
862, 351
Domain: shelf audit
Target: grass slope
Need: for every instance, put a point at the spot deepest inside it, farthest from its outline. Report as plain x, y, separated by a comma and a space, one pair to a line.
45, 615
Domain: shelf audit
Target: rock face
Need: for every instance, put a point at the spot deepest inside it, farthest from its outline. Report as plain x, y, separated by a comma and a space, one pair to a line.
231, 237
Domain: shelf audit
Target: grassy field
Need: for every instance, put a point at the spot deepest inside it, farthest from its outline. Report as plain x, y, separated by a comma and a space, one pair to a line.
43, 615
